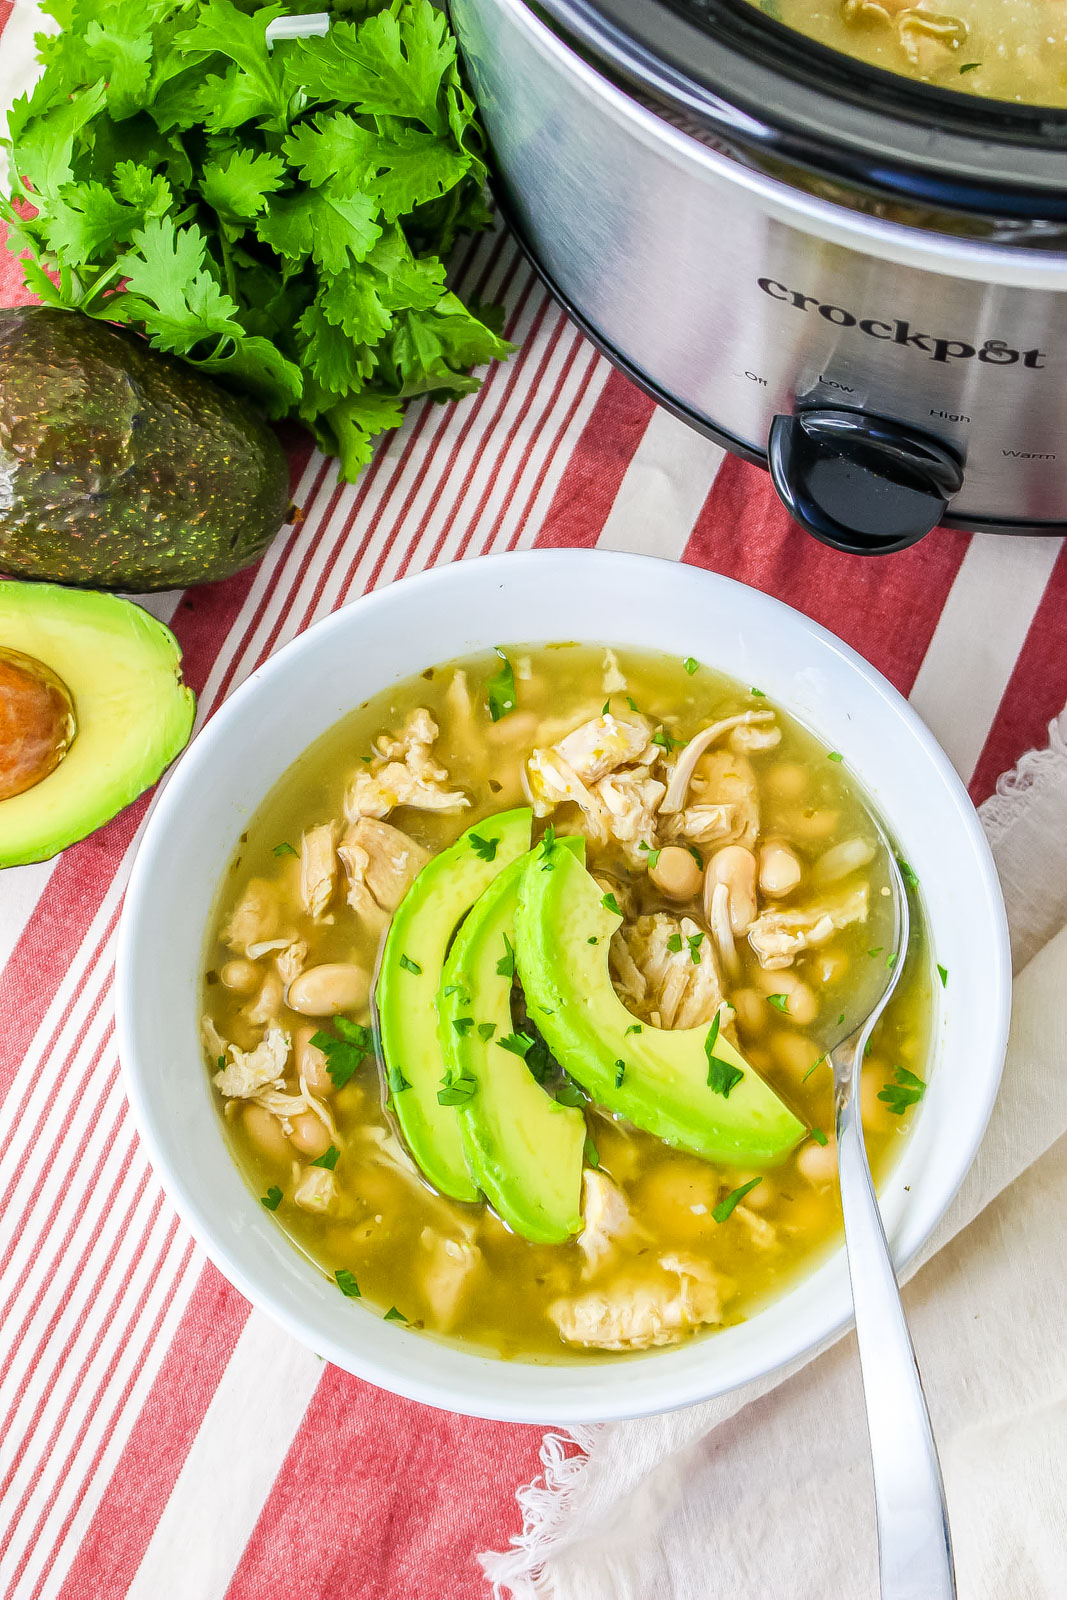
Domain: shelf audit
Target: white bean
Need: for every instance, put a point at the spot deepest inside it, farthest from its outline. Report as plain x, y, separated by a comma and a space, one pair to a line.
841, 859
752, 1010
676, 873
332, 987
735, 866
310, 1135
240, 975
266, 1132
779, 869
818, 1162
788, 779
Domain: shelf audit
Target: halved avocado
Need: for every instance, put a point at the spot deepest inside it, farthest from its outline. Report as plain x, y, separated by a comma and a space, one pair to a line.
409, 980
655, 1077
92, 708
524, 1148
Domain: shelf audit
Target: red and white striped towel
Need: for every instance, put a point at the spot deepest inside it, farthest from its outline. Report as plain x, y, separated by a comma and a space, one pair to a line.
158, 1439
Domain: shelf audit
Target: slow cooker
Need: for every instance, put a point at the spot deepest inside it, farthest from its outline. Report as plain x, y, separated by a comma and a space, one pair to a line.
857, 280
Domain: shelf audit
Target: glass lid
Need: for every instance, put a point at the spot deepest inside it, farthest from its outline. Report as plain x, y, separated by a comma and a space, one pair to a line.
900, 99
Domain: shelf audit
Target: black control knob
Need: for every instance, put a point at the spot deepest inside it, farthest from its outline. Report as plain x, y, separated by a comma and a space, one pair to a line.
860, 483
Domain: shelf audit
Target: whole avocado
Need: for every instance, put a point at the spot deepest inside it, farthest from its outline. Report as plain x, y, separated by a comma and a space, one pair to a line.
121, 468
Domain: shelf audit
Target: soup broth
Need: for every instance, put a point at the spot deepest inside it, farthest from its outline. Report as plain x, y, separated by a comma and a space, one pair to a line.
982, 47
669, 1246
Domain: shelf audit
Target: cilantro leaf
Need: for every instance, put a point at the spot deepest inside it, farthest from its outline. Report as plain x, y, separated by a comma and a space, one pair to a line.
905, 1090
500, 690
485, 849
726, 1206
328, 1159
347, 1284
272, 1199
237, 188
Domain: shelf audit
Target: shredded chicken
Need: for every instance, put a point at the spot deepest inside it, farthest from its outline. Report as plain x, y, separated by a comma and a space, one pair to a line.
929, 40
449, 1277
549, 782
255, 919
603, 766
381, 862
606, 1218
684, 769
290, 961
725, 808
316, 1190
614, 677
764, 1233
267, 1005
402, 772
778, 936
603, 745
214, 1043
748, 739
676, 988
631, 798
249, 1071
318, 867
645, 1312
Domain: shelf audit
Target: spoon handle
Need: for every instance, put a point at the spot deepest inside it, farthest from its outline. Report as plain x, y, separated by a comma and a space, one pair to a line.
914, 1546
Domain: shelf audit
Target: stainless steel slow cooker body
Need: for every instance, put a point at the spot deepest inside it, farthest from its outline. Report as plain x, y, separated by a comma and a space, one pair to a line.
885, 371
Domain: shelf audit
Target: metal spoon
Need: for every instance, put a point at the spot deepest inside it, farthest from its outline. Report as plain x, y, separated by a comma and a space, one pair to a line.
914, 1545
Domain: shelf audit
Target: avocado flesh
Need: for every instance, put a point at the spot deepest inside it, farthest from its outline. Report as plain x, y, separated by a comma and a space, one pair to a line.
524, 1148
664, 1087
132, 712
124, 468
421, 931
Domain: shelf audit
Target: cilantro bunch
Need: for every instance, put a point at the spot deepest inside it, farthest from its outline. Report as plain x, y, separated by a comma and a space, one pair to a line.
278, 218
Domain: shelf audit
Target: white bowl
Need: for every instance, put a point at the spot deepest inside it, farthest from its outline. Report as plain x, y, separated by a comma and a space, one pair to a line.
453, 611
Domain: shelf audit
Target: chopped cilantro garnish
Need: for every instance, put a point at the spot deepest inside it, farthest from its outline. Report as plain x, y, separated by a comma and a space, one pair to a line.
635, 1027
409, 965
697, 857
620, 1073
591, 1153
592, 939
539, 1062
500, 689
458, 1090
907, 874
652, 855
284, 849
486, 1030
328, 1159
569, 1094
485, 848
876, 951
674, 943
397, 1081
819, 1137
457, 988
347, 1284
607, 707
726, 1206
518, 1043
393, 1315
610, 903
903, 1092
759, 693
272, 1199
463, 1025
780, 1002
891, 960
690, 664
841, 1019
834, 755
505, 967
721, 1075
816, 1063
632, 703
694, 941
346, 1054
868, 1047
548, 845
942, 973
666, 741
220, 1062
969, 66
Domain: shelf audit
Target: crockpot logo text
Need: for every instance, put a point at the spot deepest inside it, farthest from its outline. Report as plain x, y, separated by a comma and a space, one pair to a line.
995, 351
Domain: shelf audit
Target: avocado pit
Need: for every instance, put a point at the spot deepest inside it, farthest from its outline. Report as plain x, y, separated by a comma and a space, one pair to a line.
37, 724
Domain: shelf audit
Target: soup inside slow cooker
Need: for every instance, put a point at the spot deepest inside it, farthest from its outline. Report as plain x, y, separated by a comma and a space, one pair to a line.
459, 878
1003, 49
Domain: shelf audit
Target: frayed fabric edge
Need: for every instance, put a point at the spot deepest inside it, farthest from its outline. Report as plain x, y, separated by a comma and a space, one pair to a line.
1015, 789
546, 1505
548, 1502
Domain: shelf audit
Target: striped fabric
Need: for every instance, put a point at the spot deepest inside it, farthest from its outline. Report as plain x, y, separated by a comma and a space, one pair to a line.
157, 1438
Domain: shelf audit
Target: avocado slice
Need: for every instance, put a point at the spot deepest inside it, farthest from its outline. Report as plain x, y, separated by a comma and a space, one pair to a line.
124, 468
524, 1148
563, 931
118, 672
408, 982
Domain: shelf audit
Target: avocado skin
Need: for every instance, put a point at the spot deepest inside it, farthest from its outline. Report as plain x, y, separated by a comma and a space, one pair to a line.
122, 468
